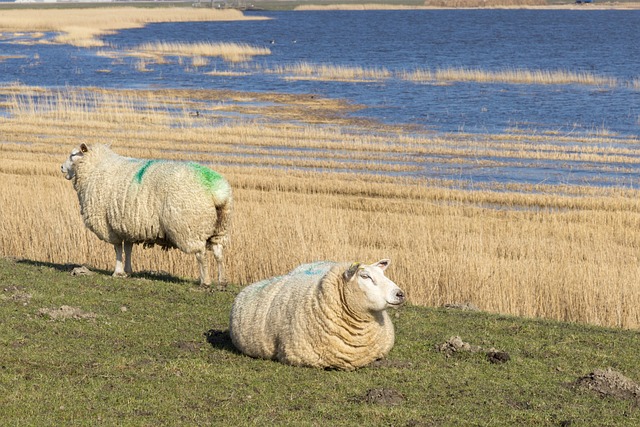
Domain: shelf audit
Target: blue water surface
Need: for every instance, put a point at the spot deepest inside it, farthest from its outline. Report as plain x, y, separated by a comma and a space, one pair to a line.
602, 42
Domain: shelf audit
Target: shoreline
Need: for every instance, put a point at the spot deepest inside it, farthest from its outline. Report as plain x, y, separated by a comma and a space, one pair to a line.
375, 6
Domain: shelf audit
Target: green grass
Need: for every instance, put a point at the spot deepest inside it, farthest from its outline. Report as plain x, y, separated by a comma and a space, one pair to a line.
157, 354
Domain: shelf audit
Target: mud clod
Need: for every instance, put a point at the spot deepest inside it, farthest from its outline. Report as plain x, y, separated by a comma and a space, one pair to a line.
81, 271
457, 345
496, 356
16, 294
466, 306
384, 396
611, 383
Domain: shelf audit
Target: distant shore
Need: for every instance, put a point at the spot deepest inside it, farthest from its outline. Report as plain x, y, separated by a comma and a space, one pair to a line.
567, 6
302, 5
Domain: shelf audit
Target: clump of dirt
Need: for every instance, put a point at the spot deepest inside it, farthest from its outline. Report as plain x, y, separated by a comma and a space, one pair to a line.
457, 345
67, 312
497, 356
17, 294
467, 306
611, 383
384, 396
189, 346
81, 271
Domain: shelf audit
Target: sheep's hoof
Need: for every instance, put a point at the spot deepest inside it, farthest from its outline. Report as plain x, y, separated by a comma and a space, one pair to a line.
120, 274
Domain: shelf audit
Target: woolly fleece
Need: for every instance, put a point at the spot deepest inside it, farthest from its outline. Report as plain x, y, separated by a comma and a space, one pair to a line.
313, 316
174, 204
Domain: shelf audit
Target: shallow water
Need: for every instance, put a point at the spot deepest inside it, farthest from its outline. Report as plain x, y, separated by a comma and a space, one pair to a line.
601, 42
605, 43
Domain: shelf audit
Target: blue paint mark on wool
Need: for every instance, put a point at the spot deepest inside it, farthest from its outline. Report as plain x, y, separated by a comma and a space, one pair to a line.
319, 268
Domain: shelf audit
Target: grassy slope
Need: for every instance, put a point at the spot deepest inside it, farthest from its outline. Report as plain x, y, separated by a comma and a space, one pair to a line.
146, 360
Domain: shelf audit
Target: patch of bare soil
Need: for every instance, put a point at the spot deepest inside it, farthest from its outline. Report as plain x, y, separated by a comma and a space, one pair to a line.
467, 306
66, 312
610, 383
81, 271
16, 294
189, 346
384, 396
457, 345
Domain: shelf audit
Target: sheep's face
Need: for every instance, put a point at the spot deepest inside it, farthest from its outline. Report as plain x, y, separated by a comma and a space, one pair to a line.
379, 291
68, 168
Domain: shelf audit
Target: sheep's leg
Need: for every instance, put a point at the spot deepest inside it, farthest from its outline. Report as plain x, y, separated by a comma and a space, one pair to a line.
217, 254
119, 270
203, 261
128, 248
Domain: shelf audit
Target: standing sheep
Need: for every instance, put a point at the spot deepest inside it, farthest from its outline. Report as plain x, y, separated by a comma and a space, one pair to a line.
324, 315
174, 204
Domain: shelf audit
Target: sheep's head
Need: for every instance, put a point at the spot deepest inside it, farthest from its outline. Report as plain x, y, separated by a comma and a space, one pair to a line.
68, 168
379, 291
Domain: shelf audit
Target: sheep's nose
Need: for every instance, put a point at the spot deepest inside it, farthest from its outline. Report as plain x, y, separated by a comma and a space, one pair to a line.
400, 295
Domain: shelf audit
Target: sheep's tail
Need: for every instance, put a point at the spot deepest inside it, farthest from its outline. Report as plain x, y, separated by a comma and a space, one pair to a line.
224, 206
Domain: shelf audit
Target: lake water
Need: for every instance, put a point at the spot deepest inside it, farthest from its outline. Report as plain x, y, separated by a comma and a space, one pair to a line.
604, 43
601, 42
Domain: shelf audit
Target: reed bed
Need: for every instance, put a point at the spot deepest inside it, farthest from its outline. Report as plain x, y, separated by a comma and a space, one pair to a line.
483, 3
357, 6
305, 70
563, 252
515, 76
83, 26
309, 71
230, 52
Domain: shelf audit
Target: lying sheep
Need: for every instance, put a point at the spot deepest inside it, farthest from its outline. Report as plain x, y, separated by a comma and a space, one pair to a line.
324, 315
125, 201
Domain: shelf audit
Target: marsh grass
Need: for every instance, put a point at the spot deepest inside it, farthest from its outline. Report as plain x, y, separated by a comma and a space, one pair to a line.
83, 27
514, 76
483, 3
305, 70
310, 71
231, 52
309, 185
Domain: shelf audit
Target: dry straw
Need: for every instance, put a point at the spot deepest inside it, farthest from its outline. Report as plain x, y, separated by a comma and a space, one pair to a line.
231, 52
84, 26
515, 76
308, 192
309, 71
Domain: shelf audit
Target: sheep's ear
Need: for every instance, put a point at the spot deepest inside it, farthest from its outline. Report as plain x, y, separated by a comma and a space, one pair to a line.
349, 272
84, 148
383, 264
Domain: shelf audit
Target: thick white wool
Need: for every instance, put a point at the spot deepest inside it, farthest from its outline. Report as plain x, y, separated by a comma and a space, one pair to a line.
174, 204
314, 316
152, 201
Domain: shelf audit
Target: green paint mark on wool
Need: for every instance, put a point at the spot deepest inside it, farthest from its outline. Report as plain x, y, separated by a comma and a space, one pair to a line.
142, 170
208, 178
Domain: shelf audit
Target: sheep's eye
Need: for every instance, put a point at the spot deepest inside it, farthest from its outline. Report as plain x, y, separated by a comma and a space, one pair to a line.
365, 276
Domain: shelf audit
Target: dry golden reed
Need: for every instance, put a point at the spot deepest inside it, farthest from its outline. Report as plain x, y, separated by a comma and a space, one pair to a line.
309, 71
307, 192
231, 52
483, 3
84, 26
305, 70
516, 76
